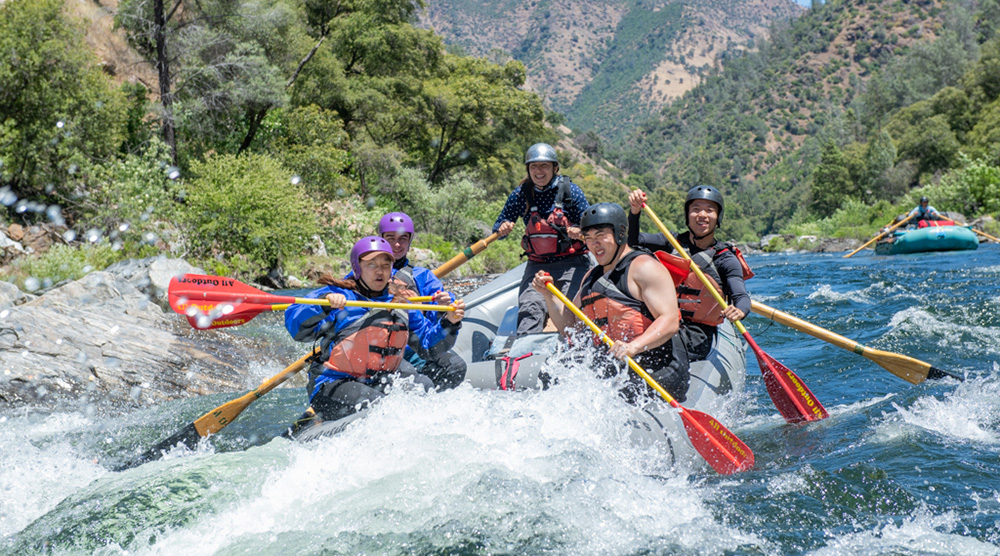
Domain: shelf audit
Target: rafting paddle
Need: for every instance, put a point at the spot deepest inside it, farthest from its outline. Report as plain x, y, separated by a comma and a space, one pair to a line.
878, 237
191, 293
217, 419
986, 235
461, 258
722, 449
790, 395
907, 368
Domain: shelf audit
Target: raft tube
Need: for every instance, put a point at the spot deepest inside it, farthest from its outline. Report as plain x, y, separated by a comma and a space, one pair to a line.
931, 238
497, 360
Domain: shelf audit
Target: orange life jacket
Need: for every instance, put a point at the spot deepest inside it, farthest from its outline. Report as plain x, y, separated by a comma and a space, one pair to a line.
545, 238
371, 344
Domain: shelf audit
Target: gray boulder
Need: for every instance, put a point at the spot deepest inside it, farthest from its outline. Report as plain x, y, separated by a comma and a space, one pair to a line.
101, 342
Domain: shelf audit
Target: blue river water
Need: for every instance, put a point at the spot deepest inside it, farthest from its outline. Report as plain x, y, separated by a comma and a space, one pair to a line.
896, 469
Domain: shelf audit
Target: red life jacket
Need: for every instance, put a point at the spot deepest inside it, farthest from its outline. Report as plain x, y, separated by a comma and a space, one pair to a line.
932, 223
695, 301
371, 344
545, 238
607, 302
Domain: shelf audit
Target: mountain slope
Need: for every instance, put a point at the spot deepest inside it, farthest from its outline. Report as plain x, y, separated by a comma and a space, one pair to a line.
756, 128
607, 63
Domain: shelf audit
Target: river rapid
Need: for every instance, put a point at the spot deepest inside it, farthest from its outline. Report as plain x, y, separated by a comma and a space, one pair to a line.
896, 468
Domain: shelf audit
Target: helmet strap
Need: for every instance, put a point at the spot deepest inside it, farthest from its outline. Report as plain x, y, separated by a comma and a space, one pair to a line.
366, 291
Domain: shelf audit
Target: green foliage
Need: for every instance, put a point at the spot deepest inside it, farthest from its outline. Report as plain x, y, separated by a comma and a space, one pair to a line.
312, 143
58, 111
831, 183
853, 219
972, 188
447, 210
132, 199
61, 263
247, 212
610, 103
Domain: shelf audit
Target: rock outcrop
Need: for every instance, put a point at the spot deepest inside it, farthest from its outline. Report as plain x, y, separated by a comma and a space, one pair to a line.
106, 341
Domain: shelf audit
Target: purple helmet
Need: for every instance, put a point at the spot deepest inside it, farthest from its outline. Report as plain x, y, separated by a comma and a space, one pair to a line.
364, 246
397, 222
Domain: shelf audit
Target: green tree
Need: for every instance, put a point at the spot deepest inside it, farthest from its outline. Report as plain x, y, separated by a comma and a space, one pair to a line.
880, 159
59, 113
831, 181
932, 144
248, 211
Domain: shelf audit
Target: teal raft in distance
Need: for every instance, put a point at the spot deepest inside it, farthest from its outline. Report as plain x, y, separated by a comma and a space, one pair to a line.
931, 238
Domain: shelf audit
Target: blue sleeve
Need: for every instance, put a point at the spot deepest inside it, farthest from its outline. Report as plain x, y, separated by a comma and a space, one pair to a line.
427, 282
432, 333
578, 204
308, 323
512, 210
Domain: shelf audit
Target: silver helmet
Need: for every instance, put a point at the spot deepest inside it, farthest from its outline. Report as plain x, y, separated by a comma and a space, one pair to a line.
541, 152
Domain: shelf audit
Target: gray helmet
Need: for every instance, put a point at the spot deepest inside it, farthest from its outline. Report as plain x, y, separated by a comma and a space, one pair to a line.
924, 200
606, 214
541, 152
708, 193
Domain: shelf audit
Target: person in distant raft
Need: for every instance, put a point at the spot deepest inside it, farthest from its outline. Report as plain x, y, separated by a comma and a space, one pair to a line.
551, 206
445, 368
924, 211
721, 262
362, 349
631, 296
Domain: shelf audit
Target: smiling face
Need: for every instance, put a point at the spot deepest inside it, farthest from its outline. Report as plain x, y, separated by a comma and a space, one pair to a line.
541, 173
400, 242
601, 243
376, 269
702, 217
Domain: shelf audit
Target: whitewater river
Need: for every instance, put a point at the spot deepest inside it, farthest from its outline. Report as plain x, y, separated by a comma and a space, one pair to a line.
896, 469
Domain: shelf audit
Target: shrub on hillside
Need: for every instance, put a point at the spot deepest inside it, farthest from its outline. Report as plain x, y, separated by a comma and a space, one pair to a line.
132, 200
246, 214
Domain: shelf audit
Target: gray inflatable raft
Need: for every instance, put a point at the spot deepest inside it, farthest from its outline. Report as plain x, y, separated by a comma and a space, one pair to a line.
498, 361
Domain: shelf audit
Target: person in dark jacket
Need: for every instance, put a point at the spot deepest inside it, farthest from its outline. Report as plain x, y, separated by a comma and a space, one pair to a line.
550, 206
703, 210
361, 349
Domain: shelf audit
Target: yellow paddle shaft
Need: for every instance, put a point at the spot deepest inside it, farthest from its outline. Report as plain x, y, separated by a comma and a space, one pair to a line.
876, 238
604, 338
377, 305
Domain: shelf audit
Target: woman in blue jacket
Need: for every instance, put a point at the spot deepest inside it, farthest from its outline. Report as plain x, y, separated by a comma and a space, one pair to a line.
361, 349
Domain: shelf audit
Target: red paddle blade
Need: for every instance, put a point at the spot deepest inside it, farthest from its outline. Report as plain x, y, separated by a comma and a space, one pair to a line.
241, 314
722, 449
794, 400
198, 289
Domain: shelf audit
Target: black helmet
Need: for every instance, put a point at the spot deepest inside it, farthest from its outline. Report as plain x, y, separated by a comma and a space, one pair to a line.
924, 200
708, 193
606, 214
541, 152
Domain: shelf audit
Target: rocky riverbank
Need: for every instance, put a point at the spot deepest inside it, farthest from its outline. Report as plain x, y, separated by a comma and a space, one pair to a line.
109, 342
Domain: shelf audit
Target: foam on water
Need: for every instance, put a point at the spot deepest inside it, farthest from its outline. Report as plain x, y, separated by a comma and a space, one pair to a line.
926, 532
971, 412
960, 334
521, 472
40, 466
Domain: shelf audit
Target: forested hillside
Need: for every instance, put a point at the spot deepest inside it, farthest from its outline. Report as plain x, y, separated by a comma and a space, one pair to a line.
254, 138
880, 97
607, 64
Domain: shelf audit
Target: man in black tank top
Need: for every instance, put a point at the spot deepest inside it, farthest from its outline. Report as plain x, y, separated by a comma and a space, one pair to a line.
631, 296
